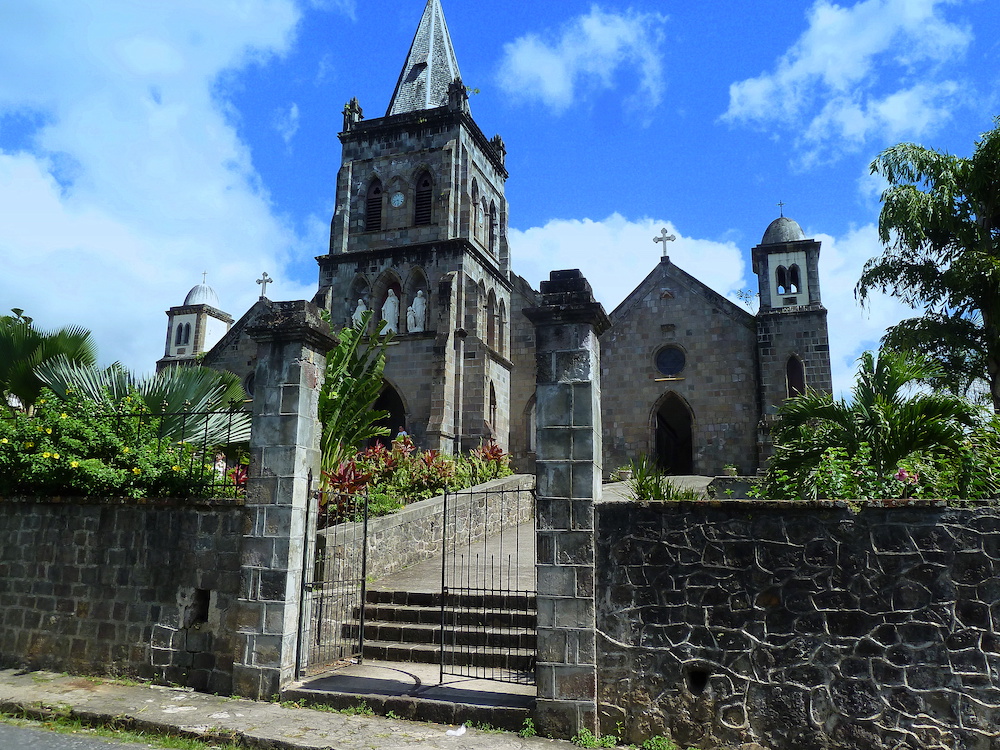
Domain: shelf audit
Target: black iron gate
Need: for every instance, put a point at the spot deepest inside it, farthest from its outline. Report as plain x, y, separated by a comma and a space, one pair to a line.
333, 613
488, 586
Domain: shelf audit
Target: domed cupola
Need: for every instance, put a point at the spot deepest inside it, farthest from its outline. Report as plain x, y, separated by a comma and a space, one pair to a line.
202, 294
782, 230
194, 327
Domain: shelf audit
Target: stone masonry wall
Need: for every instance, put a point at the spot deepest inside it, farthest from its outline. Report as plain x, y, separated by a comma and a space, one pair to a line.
124, 588
800, 625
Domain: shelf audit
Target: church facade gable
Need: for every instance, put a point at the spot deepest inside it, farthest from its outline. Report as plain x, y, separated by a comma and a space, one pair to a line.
679, 378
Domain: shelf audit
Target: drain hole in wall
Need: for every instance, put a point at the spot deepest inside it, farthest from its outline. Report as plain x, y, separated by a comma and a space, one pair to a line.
697, 680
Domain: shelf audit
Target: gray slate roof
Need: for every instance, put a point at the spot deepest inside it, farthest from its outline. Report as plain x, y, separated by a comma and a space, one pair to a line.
430, 66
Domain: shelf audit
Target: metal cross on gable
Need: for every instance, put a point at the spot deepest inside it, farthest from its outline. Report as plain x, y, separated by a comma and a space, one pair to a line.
664, 237
264, 281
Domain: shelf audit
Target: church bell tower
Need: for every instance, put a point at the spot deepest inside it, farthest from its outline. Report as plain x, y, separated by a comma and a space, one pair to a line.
419, 237
792, 339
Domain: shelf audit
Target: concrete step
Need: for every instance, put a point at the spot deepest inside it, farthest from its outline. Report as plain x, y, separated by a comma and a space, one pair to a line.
399, 613
522, 638
514, 660
508, 600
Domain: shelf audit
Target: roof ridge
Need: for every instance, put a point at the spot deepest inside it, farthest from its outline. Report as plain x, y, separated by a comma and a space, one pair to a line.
430, 67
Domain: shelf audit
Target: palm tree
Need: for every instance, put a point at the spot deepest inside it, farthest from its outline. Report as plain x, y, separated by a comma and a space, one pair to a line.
886, 420
24, 348
940, 224
195, 403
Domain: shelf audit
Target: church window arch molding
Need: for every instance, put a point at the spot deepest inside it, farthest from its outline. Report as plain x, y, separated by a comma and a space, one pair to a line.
501, 329
795, 376
423, 199
373, 205
494, 228
794, 282
491, 320
781, 279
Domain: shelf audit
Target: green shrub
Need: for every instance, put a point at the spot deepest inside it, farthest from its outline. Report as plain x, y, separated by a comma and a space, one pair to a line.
650, 484
70, 446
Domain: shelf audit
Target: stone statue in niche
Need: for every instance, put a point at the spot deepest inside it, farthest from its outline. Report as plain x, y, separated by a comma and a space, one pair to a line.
390, 311
411, 319
358, 312
419, 312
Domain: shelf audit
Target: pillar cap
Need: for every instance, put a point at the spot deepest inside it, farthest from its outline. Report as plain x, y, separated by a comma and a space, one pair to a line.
567, 297
298, 320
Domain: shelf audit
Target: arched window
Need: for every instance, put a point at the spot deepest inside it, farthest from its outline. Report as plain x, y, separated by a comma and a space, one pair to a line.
179, 335
794, 285
187, 333
795, 377
491, 320
781, 279
422, 200
493, 409
373, 207
493, 227
502, 329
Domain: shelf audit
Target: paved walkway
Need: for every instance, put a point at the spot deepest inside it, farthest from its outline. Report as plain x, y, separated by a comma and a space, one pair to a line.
258, 724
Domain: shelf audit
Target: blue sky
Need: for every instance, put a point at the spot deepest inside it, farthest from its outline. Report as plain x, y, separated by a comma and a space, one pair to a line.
144, 143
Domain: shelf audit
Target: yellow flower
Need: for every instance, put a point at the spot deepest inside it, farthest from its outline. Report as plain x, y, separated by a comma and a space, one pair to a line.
137, 471
41, 400
3, 440
126, 450
40, 429
175, 467
55, 455
29, 444
74, 464
46, 455
48, 430
63, 415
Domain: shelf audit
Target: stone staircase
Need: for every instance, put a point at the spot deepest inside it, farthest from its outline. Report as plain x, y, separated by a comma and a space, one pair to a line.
485, 634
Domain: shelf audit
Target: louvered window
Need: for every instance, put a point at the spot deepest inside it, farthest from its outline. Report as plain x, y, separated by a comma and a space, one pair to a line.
373, 207
422, 202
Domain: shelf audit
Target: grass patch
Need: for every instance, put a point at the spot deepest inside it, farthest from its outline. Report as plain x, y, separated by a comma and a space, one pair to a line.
60, 720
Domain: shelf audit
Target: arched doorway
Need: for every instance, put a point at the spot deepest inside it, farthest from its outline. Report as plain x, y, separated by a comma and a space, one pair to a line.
390, 401
672, 436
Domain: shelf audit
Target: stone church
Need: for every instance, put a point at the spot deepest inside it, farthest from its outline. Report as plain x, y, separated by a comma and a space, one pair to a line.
419, 236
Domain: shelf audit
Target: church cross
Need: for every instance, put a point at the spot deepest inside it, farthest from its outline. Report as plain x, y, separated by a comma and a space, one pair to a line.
781, 207
664, 237
204, 276
264, 281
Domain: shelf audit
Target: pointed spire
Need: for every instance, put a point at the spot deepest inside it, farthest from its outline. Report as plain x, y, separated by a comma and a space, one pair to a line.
430, 66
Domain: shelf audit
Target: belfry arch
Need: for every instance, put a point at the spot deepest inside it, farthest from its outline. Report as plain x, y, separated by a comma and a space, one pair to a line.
673, 444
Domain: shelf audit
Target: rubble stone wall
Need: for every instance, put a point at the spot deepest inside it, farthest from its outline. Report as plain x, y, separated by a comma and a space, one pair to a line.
800, 625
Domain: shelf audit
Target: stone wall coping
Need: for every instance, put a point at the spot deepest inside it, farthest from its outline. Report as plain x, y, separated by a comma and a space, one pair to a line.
745, 504
432, 505
165, 502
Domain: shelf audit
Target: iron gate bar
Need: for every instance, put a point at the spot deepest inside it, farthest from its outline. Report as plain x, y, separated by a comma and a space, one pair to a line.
336, 582
485, 619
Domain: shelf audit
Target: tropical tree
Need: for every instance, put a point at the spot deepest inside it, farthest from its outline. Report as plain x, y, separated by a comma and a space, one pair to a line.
354, 371
885, 423
196, 403
24, 348
940, 224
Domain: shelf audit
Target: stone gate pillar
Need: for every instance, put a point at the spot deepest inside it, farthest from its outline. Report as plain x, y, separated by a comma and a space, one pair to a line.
568, 481
292, 342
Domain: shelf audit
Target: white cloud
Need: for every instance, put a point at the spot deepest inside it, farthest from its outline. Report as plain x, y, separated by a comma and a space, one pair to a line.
134, 182
585, 57
287, 123
615, 254
871, 69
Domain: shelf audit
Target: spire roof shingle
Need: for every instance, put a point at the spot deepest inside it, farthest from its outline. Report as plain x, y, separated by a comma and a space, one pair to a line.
430, 66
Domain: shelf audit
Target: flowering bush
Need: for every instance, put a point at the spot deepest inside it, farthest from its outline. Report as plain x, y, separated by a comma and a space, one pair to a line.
401, 474
72, 446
